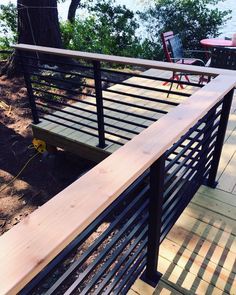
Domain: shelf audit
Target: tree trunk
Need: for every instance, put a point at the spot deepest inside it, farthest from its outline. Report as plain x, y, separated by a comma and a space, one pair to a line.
72, 10
38, 24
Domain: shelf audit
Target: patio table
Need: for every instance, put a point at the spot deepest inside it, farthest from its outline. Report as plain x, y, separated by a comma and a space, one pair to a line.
213, 42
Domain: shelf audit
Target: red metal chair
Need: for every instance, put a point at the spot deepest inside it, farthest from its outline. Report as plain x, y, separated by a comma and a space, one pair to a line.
174, 52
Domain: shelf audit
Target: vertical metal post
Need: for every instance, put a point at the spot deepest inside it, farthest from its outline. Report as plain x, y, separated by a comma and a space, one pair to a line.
99, 103
29, 90
157, 176
220, 138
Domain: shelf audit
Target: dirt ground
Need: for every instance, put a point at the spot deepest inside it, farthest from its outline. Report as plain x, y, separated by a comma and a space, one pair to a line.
44, 177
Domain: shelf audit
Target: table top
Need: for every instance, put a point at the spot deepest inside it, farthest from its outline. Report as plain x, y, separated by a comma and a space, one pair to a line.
217, 42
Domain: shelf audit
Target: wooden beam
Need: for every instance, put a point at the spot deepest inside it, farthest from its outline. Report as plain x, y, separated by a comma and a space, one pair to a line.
30, 245
127, 60
77, 147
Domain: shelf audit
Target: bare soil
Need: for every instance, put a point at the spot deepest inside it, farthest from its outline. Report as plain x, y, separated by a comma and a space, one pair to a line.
44, 176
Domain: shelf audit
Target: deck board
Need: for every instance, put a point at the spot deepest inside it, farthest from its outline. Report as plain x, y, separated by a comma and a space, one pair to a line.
198, 255
81, 137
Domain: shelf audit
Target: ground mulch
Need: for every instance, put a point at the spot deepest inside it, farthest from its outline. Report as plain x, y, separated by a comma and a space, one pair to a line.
44, 177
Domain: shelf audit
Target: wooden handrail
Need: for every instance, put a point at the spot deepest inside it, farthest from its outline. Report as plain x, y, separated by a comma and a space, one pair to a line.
126, 60
30, 245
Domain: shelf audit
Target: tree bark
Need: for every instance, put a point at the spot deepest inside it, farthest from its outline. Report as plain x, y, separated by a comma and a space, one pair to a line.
38, 24
72, 10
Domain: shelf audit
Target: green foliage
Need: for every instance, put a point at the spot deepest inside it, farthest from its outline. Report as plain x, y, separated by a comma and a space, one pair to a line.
109, 29
8, 25
192, 19
114, 29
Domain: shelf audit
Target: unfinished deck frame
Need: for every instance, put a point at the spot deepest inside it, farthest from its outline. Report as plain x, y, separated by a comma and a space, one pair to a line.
161, 168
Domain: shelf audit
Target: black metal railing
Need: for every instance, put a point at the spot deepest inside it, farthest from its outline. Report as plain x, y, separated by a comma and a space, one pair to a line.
85, 96
107, 249
124, 240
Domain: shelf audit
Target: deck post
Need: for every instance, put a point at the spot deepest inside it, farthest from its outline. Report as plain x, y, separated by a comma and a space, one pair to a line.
99, 103
220, 138
29, 89
157, 176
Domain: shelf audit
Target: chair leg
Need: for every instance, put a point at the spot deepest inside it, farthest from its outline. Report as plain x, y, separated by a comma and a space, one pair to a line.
187, 78
171, 83
165, 83
172, 78
179, 79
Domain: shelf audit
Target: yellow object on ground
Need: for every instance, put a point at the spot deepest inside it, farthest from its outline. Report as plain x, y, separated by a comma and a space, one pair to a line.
39, 145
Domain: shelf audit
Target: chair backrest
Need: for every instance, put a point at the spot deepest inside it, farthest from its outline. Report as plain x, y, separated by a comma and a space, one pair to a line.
223, 58
165, 37
176, 47
172, 46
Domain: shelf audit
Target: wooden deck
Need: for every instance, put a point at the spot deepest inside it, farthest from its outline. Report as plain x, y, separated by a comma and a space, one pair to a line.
199, 254
85, 144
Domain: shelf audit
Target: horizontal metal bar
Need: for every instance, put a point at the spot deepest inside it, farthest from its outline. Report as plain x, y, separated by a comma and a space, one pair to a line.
130, 114
147, 87
107, 249
180, 181
136, 269
192, 129
208, 135
125, 121
152, 77
117, 135
189, 166
64, 96
142, 97
188, 146
121, 128
71, 127
124, 271
71, 106
50, 78
126, 196
140, 197
123, 60
174, 215
55, 86
119, 263
52, 69
134, 105
114, 141
73, 64
118, 251
66, 118
171, 186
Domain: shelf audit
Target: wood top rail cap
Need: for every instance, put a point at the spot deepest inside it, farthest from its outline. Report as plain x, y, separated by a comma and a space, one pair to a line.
30, 245
126, 60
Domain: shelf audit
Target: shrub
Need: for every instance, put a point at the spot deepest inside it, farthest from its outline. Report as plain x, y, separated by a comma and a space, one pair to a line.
109, 29
8, 25
192, 19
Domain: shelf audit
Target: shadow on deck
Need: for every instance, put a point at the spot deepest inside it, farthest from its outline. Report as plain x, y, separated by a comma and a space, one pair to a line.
127, 111
198, 255
142, 195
